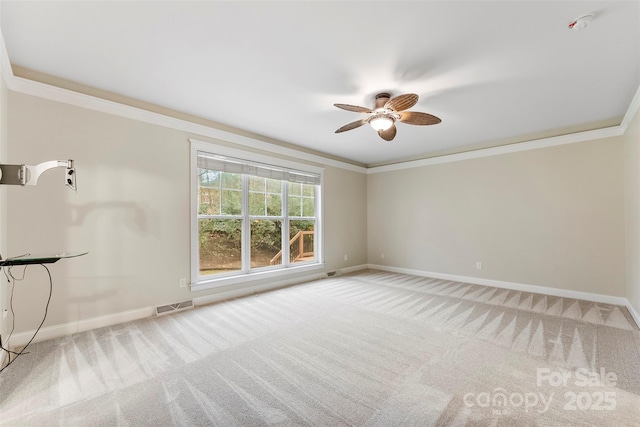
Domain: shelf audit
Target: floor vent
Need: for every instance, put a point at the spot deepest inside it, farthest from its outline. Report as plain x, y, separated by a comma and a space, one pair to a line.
172, 308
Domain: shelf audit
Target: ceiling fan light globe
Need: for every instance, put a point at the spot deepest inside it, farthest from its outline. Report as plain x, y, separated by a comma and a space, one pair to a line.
381, 123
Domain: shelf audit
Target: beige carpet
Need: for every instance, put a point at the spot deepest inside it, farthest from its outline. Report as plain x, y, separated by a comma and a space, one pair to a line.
367, 349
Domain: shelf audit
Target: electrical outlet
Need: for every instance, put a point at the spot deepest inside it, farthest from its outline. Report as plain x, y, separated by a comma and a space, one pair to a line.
183, 283
479, 265
382, 256
346, 258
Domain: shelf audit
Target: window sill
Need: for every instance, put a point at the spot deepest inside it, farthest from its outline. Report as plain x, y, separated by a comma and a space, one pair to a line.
210, 283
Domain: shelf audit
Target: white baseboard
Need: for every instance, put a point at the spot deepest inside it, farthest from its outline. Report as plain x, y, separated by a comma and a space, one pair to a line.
634, 313
557, 292
352, 269
49, 332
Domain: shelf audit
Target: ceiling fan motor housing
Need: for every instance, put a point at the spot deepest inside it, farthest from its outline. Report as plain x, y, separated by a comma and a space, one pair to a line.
381, 99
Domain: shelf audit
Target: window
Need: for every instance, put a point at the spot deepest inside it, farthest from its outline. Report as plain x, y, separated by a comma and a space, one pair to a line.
253, 217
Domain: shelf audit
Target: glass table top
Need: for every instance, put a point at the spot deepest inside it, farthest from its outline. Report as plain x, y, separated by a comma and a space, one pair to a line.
29, 258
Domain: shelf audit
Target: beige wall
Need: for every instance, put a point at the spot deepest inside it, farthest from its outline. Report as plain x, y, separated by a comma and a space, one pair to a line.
550, 217
131, 212
5, 324
345, 216
632, 211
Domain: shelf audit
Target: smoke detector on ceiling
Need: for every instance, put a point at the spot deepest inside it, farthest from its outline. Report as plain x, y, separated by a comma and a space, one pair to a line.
582, 22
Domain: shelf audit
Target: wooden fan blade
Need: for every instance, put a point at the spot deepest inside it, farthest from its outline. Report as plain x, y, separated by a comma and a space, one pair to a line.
388, 134
402, 102
416, 118
354, 108
351, 125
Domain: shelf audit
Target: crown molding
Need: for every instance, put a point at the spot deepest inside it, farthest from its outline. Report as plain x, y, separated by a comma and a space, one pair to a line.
6, 73
631, 111
504, 149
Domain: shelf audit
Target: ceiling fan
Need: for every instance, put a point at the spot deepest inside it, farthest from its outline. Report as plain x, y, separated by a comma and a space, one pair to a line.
386, 112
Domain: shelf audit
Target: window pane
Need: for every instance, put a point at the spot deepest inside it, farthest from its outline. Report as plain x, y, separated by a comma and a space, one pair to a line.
308, 190
274, 186
231, 181
266, 243
295, 207
220, 245
208, 201
294, 188
274, 205
231, 202
308, 207
209, 178
256, 183
301, 246
257, 204
208, 192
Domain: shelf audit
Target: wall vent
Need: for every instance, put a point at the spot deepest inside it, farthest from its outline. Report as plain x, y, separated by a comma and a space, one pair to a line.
331, 273
172, 308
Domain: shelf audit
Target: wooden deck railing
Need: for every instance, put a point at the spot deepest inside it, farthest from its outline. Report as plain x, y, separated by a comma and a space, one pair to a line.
296, 248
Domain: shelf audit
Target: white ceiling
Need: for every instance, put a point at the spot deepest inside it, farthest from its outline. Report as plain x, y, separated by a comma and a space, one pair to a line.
491, 70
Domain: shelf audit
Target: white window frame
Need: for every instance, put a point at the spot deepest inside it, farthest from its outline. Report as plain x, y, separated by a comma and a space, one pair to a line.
242, 277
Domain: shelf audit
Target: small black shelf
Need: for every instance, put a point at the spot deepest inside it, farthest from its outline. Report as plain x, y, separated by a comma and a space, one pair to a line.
38, 258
